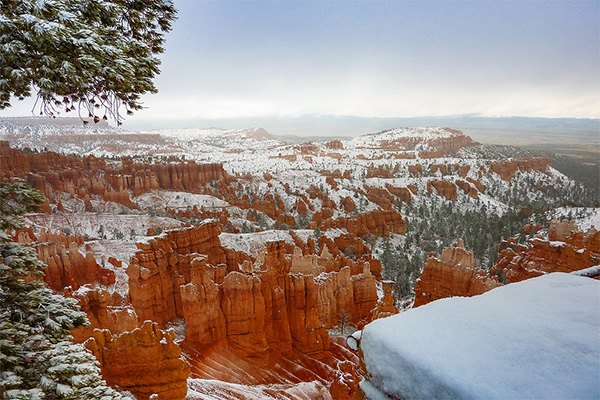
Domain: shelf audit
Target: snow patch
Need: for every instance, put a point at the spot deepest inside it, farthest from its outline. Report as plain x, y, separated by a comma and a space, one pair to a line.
539, 338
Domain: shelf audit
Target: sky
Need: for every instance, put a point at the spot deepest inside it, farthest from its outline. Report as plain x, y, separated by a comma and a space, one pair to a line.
228, 60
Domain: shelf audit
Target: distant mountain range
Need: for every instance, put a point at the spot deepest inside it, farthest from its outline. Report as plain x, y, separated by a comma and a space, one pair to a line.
503, 130
521, 131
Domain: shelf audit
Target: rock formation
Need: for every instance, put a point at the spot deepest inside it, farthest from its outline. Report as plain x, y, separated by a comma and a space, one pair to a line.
507, 169
446, 189
378, 223
259, 310
80, 177
160, 266
565, 250
66, 266
453, 273
145, 361
105, 310
385, 307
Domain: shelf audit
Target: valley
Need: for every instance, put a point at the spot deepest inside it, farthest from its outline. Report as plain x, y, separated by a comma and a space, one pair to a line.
232, 264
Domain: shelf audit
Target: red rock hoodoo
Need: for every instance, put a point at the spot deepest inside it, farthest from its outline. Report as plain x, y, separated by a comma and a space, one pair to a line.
453, 273
145, 361
566, 250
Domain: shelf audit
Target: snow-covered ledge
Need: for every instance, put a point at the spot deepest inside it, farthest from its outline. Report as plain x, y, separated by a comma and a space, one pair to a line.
590, 272
539, 338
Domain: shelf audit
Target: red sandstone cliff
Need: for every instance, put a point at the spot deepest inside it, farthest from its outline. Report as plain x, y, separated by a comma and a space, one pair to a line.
565, 250
145, 361
66, 266
507, 169
259, 309
453, 273
89, 176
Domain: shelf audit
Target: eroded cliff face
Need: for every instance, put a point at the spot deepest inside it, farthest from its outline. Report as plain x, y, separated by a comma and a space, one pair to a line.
385, 307
453, 273
280, 304
66, 265
507, 169
144, 361
90, 177
566, 249
105, 310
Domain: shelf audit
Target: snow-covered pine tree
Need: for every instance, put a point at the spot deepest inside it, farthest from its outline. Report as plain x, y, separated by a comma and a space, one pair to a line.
37, 358
81, 55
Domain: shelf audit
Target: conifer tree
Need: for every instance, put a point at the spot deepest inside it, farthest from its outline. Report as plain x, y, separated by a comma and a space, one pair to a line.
93, 55
37, 358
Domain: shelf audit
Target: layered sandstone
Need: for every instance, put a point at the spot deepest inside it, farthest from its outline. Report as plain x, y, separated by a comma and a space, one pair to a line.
508, 169
378, 223
91, 177
145, 361
445, 189
385, 307
164, 263
284, 300
104, 309
66, 265
453, 273
565, 250
205, 321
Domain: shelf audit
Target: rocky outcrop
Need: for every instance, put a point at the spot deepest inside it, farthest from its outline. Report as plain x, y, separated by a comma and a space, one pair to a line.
105, 310
453, 273
565, 250
469, 189
91, 177
404, 193
385, 307
308, 332
507, 169
200, 301
66, 266
446, 142
164, 263
445, 189
145, 361
334, 145
365, 295
243, 306
348, 204
378, 223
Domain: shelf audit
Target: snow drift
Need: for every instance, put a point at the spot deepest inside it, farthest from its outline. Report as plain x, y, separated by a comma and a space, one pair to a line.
539, 338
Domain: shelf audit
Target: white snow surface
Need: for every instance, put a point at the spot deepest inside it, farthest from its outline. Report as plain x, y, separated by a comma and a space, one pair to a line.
160, 199
208, 389
253, 243
585, 218
539, 338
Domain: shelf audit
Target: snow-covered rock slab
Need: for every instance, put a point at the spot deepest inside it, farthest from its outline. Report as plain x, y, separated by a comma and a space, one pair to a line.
539, 338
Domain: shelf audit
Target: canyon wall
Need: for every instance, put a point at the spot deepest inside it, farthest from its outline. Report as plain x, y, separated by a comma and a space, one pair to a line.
145, 361
454, 273
566, 249
90, 177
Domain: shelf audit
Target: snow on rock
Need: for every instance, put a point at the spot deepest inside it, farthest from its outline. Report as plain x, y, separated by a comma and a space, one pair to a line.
101, 225
539, 338
585, 218
208, 389
161, 199
252, 243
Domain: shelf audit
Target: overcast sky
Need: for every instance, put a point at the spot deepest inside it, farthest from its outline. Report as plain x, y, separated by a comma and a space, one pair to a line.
230, 59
